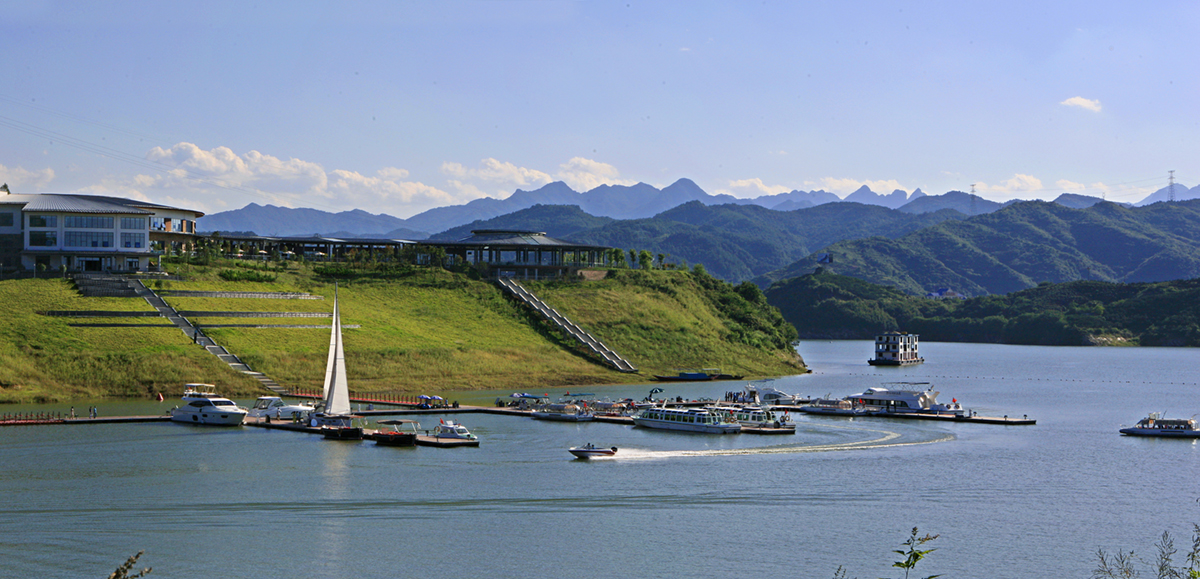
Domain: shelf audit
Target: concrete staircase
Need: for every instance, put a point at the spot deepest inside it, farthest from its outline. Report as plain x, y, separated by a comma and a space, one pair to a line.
610, 357
204, 341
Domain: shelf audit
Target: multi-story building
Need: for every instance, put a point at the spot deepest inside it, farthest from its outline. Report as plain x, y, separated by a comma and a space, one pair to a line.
88, 232
895, 349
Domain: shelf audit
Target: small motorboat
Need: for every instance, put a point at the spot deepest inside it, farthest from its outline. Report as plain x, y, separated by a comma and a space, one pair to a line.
399, 433
589, 450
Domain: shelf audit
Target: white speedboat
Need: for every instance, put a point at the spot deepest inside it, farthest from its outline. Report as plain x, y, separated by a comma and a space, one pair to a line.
274, 407
202, 405
1156, 425
561, 412
909, 398
452, 429
685, 419
589, 450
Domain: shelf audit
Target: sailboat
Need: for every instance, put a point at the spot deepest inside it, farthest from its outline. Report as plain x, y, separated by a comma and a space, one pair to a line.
336, 421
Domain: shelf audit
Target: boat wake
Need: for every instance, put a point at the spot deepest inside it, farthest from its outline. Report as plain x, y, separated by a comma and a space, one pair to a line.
884, 439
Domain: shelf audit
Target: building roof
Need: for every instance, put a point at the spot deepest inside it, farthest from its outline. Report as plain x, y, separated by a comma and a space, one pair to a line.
493, 237
61, 203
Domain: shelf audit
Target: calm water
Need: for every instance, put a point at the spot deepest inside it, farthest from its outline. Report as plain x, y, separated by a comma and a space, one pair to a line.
1008, 501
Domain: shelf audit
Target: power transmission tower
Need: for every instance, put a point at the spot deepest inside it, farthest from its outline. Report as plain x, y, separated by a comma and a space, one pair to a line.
973, 212
1171, 187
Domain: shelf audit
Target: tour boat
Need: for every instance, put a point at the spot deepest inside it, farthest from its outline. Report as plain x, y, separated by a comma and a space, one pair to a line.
400, 433
685, 419
202, 405
274, 407
561, 412
910, 398
1156, 425
756, 417
589, 450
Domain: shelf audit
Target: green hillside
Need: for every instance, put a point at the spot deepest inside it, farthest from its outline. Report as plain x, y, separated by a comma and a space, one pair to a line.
1022, 245
733, 242
422, 329
827, 305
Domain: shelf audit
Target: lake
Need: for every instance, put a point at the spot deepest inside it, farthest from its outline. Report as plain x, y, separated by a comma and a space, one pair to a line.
1008, 501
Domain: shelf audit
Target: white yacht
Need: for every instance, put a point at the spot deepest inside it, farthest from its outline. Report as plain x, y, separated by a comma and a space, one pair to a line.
1156, 425
909, 397
274, 407
685, 419
202, 405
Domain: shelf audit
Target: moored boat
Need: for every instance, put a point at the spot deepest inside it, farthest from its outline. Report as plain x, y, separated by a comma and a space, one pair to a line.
908, 398
757, 417
685, 419
453, 430
561, 412
398, 432
1156, 425
274, 407
202, 405
590, 450
841, 407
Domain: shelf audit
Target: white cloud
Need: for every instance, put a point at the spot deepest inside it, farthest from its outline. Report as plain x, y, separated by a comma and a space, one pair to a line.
1066, 185
1091, 105
1017, 184
585, 174
500, 176
219, 179
22, 180
756, 185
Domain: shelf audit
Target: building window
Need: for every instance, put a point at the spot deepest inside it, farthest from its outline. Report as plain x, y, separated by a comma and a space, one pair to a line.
43, 238
6, 220
133, 239
43, 221
88, 222
133, 223
158, 224
88, 239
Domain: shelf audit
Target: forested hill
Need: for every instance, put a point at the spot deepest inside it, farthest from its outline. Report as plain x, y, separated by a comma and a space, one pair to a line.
733, 242
1077, 313
1024, 244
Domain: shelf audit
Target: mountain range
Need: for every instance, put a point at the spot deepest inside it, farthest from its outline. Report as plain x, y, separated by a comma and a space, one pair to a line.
1020, 245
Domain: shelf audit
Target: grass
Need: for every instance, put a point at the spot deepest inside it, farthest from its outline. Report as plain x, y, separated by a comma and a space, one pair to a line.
425, 331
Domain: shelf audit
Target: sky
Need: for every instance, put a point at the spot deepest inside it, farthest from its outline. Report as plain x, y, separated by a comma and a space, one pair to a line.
397, 107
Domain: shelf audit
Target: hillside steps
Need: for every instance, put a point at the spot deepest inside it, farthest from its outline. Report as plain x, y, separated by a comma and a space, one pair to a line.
156, 301
610, 357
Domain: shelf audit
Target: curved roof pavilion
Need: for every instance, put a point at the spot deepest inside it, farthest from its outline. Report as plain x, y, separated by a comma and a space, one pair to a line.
527, 254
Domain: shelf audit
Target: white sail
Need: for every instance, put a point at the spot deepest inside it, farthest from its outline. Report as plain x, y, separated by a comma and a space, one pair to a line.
337, 389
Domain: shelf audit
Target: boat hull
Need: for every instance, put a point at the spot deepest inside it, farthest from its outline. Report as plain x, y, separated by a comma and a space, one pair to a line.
561, 417
723, 428
342, 433
395, 439
592, 452
208, 418
1161, 432
875, 362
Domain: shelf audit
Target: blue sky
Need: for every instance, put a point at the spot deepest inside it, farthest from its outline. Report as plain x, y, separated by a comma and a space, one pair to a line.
397, 107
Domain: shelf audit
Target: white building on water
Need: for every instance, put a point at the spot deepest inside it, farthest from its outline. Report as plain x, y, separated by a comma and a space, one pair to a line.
88, 232
896, 349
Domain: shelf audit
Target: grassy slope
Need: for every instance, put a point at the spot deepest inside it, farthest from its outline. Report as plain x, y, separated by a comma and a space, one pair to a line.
431, 331
44, 359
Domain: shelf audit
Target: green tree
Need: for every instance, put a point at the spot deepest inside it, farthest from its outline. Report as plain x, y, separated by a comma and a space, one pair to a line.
645, 260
